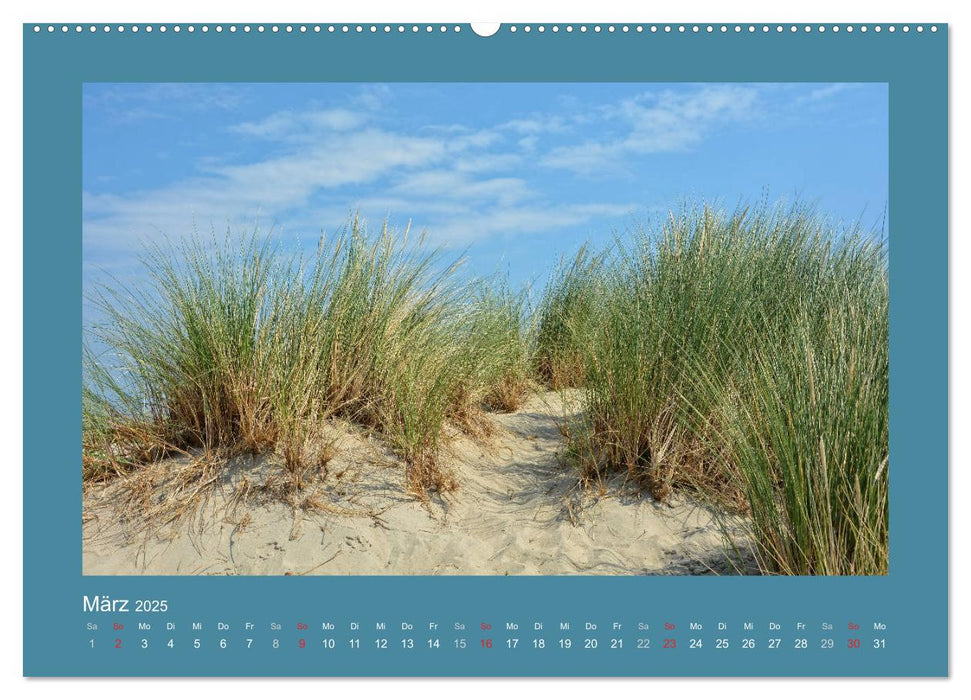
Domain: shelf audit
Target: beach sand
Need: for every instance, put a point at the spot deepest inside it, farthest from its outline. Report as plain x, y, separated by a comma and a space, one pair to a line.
517, 510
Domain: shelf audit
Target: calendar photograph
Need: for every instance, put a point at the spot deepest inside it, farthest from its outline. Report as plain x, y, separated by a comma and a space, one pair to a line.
485, 329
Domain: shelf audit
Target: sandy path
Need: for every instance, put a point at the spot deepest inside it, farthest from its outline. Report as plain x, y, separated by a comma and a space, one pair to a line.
517, 511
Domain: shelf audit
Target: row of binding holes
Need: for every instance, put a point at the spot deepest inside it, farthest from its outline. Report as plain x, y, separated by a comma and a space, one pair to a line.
710, 29
259, 28
414, 28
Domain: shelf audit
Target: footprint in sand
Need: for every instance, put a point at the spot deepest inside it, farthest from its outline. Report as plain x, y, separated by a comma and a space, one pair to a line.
357, 543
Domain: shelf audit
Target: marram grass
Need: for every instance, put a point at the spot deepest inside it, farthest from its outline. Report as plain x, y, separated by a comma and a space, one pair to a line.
237, 345
745, 356
566, 313
741, 356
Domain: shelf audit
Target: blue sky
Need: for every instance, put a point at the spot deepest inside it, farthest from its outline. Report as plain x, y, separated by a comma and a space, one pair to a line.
514, 174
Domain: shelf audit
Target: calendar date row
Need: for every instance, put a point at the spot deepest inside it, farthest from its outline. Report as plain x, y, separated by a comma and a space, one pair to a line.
489, 643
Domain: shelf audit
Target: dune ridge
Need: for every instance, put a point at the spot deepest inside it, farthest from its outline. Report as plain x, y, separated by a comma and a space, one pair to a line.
518, 510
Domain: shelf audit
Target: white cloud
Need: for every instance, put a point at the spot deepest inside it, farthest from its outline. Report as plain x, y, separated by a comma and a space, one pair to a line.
450, 184
655, 123
538, 124
298, 126
372, 97
265, 188
488, 162
526, 219
824, 92
125, 103
465, 183
528, 143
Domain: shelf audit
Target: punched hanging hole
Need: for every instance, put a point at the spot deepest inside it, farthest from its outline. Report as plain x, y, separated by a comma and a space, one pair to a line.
485, 28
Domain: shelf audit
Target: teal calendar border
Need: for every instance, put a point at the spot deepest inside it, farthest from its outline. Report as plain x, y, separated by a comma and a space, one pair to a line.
913, 598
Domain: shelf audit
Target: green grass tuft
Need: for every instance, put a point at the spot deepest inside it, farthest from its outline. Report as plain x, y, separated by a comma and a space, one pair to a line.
741, 356
236, 345
567, 311
744, 356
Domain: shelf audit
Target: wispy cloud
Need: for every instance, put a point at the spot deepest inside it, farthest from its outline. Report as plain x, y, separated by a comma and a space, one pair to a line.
824, 92
267, 187
300, 126
126, 103
655, 123
451, 184
470, 180
537, 124
525, 219
372, 97
488, 162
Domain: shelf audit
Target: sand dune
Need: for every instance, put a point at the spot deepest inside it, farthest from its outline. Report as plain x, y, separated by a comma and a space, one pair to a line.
517, 511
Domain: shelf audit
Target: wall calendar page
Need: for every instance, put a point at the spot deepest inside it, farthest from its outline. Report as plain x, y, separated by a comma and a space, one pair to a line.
544, 349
